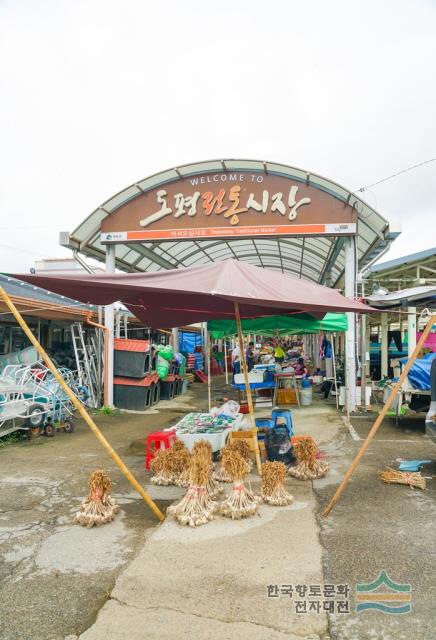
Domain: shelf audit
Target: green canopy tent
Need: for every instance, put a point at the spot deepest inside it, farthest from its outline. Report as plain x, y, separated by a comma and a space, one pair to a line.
297, 324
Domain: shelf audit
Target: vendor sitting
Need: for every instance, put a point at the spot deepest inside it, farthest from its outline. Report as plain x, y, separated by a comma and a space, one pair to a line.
300, 368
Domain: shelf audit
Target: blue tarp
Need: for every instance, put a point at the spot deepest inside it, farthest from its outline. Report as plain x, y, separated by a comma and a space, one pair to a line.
419, 374
188, 341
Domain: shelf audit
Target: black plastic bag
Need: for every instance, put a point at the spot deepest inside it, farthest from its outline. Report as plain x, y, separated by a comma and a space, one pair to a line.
278, 445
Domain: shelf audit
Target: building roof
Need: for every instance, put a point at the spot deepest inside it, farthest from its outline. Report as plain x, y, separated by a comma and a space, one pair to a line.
315, 258
412, 258
37, 302
414, 295
414, 270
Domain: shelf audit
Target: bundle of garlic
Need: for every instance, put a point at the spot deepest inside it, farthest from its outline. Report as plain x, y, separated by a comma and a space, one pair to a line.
180, 463
308, 467
203, 448
162, 467
221, 474
273, 490
99, 507
243, 449
196, 507
412, 479
241, 502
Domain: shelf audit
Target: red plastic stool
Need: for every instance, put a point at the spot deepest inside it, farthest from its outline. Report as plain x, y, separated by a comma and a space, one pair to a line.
155, 441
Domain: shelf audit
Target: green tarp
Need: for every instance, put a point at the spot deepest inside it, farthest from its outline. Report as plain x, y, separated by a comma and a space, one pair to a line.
280, 325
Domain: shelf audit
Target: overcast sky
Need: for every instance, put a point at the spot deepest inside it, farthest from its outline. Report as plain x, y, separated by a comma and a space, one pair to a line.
96, 94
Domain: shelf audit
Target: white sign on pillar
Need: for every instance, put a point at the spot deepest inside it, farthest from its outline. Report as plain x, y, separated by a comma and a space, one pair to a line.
411, 330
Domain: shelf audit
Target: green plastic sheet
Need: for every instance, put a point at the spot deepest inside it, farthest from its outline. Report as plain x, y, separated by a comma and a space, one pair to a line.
298, 324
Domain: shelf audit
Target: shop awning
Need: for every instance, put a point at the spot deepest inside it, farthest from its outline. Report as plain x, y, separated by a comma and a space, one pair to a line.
198, 294
280, 325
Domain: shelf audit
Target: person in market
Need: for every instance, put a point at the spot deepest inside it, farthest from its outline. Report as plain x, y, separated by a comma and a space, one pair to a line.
279, 354
235, 355
219, 358
250, 356
326, 353
301, 368
236, 360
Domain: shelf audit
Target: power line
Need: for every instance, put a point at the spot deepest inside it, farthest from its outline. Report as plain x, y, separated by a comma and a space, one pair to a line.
394, 175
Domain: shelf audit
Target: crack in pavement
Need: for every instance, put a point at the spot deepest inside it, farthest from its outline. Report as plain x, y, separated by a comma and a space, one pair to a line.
284, 632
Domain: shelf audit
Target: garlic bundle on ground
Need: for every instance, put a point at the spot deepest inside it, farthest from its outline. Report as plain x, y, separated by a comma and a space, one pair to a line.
180, 464
196, 507
162, 468
308, 467
220, 474
99, 507
240, 445
273, 490
203, 448
241, 502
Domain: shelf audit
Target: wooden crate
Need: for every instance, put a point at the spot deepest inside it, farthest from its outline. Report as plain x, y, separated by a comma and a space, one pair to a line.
286, 396
247, 436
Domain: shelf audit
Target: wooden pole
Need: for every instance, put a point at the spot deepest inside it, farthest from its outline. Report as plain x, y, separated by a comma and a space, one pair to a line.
248, 389
379, 420
80, 408
226, 369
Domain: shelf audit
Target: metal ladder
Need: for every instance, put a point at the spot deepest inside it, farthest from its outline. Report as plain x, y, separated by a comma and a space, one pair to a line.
86, 354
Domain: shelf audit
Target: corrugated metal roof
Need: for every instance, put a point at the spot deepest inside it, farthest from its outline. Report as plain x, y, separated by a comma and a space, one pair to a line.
415, 295
17, 288
404, 260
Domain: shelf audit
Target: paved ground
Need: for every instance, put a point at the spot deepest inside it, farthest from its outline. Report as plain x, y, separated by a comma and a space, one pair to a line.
55, 575
379, 527
211, 582
169, 582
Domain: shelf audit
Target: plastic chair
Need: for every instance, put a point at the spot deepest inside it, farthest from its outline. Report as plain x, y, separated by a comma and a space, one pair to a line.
155, 441
264, 423
287, 415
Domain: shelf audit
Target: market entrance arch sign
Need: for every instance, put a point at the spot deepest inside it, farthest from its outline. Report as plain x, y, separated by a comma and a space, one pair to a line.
229, 204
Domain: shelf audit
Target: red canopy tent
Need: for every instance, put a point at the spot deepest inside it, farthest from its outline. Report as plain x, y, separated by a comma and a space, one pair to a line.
172, 298
197, 294
218, 290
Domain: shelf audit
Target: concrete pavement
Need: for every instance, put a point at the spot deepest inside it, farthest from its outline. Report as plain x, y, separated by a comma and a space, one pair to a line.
211, 582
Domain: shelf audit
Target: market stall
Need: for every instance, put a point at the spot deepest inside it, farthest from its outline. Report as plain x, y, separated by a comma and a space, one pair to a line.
220, 290
285, 391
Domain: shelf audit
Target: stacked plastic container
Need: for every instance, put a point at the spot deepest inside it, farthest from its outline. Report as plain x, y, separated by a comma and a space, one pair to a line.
136, 383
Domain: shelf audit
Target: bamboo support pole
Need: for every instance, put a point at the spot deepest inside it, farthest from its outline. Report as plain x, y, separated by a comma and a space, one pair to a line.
80, 408
248, 389
379, 420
